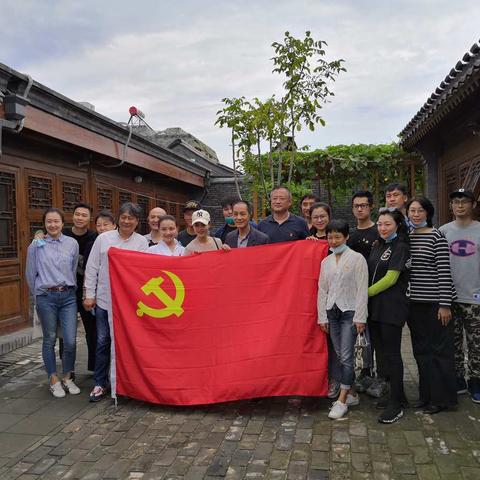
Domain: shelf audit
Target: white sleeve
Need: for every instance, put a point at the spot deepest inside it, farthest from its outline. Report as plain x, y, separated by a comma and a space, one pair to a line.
92, 269
361, 298
322, 295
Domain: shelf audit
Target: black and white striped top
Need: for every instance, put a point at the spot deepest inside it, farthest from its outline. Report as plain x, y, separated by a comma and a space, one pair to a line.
430, 278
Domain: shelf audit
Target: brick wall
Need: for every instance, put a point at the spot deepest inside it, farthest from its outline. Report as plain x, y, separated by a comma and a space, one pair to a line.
218, 189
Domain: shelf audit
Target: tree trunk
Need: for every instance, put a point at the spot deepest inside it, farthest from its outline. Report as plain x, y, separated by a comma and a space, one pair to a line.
270, 161
260, 166
235, 175
292, 161
280, 166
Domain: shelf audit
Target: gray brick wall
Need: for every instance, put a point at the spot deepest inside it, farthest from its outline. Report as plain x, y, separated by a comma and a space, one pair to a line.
218, 189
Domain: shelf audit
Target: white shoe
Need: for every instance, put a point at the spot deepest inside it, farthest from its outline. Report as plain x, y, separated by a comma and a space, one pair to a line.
352, 400
338, 410
57, 390
70, 387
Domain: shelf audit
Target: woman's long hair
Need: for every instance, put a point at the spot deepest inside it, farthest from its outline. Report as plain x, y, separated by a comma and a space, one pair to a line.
399, 219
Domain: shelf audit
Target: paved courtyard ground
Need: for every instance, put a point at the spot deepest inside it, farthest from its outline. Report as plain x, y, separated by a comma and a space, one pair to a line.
274, 438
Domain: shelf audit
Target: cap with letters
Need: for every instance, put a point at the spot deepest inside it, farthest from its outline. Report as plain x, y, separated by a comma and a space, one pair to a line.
201, 216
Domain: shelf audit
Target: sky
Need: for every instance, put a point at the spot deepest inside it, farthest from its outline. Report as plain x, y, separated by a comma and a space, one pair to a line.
176, 61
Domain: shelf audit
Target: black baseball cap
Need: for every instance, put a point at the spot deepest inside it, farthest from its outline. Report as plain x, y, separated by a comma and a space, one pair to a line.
191, 205
461, 192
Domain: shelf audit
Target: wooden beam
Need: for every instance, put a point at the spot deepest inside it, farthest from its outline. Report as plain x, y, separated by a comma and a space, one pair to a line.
52, 126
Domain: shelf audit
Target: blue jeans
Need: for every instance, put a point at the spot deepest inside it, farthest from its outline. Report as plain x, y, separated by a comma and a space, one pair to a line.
343, 334
55, 308
102, 353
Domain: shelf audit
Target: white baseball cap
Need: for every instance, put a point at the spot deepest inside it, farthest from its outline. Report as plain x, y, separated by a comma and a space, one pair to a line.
201, 216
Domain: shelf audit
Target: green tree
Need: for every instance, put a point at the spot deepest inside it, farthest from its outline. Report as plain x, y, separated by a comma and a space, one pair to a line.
342, 169
306, 85
232, 116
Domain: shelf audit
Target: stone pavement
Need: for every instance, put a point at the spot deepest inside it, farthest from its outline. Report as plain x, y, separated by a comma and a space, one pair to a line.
274, 438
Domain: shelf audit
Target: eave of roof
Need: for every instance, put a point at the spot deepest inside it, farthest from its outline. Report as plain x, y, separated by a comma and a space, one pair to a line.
216, 169
461, 81
56, 104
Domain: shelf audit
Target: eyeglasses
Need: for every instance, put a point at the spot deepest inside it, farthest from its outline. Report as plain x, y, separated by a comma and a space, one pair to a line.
458, 201
388, 209
358, 206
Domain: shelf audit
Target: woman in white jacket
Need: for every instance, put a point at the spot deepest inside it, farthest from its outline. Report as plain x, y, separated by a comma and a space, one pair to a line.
342, 307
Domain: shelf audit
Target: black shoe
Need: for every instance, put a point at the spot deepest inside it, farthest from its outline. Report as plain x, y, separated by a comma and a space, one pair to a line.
473, 385
391, 415
419, 404
383, 403
433, 409
461, 386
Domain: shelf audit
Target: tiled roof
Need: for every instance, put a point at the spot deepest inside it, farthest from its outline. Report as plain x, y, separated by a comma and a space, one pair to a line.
462, 80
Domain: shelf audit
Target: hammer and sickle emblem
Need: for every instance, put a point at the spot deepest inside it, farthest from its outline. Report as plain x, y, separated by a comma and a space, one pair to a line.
173, 306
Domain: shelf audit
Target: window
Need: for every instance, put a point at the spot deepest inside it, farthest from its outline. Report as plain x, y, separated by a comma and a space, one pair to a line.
8, 220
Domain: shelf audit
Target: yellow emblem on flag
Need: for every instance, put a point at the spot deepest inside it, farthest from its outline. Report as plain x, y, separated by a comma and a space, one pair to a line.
173, 306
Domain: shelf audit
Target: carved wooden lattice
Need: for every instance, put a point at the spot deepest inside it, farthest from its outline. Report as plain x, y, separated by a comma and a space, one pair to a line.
104, 198
470, 174
72, 194
8, 222
39, 192
144, 203
124, 197
172, 209
34, 227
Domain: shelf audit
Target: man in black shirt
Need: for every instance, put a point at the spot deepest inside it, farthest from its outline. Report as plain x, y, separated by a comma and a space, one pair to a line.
396, 197
361, 240
187, 235
362, 237
82, 214
229, 225
305, 204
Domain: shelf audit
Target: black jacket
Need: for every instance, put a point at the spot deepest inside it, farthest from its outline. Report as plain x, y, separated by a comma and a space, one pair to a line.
255, 237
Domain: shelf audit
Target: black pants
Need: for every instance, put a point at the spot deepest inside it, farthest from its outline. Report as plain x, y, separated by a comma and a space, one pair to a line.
90, 327
433, 349
387, 342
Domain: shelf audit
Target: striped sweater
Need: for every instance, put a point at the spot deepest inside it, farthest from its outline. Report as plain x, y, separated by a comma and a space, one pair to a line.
430, 278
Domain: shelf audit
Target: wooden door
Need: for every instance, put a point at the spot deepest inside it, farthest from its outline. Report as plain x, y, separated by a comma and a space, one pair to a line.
13, 306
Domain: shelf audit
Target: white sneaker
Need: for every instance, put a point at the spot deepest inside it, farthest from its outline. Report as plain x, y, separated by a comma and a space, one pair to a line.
57, 390
352, 400
70, 387
338, 410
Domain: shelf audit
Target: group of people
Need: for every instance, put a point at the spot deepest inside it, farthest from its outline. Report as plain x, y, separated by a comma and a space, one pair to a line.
400, 270
377, 277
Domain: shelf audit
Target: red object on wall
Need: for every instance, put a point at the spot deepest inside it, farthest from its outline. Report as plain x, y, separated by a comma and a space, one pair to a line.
219, 326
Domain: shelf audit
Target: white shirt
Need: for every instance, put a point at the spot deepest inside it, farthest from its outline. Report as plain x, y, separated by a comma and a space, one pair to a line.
345, 284
161, 248
97, 280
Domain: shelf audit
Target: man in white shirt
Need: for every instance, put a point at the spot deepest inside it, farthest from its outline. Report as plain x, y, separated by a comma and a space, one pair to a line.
97, 286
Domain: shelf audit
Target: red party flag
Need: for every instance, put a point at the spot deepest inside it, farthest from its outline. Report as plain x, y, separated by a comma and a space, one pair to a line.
218, 326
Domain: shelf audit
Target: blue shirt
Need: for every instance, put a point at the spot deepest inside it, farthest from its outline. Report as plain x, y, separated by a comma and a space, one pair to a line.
52, 265
294, 228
